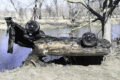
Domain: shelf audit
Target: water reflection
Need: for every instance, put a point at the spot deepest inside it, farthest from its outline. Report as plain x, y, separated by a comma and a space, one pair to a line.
63, 32
58, 32
79, 32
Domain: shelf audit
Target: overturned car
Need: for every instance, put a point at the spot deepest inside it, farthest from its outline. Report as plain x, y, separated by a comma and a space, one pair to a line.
31, 36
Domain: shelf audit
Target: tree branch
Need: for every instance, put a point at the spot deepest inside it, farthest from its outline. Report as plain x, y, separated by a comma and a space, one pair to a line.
86, 6
13, 5
95, 20
105, 4
115, 3
40, 3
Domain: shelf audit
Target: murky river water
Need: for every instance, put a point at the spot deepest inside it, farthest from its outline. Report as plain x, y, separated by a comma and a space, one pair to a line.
10, 61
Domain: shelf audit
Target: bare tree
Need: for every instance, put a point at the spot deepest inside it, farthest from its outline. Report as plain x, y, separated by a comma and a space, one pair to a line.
104, 16
49, 10
72, 12
56, 6
21, 13
12, 2
39, 9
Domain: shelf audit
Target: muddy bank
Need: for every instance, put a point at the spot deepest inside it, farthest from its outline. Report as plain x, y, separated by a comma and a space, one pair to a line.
109, 69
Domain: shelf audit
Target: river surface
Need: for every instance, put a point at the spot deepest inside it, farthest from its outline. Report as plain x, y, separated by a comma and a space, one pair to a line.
10, 61
7, 60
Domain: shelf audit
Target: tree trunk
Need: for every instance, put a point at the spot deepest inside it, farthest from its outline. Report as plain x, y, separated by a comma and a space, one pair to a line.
39, 10
107, 29
39, 13
56, 7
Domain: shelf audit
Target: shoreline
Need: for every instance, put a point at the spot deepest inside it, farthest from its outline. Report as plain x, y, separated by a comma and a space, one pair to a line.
54, 24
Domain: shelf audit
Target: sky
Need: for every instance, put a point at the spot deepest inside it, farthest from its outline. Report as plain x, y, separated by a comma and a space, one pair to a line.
6, 4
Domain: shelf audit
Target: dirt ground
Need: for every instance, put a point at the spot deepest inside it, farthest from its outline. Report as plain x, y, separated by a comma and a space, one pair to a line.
108, 70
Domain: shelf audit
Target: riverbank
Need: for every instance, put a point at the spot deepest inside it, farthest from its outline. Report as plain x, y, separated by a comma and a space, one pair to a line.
108, 70
55, 23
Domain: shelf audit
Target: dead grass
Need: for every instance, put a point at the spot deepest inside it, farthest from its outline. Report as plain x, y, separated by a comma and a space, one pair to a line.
108, 70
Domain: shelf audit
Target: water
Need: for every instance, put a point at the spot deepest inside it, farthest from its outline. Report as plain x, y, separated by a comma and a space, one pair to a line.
116, 31
79, 32
10, 61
